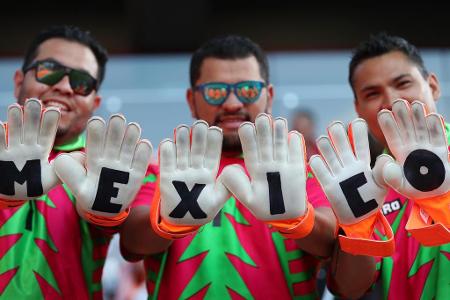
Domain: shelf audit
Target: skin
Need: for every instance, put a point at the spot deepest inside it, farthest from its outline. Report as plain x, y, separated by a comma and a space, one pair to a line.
75, 109
377, 83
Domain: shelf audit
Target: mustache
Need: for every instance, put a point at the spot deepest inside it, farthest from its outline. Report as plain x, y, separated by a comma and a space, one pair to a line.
241, 115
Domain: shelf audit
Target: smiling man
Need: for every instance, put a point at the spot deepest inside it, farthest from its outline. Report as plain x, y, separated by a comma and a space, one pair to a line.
47, 251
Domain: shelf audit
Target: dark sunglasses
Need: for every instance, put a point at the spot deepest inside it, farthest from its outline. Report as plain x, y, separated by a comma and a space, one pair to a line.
215, 93
50, 72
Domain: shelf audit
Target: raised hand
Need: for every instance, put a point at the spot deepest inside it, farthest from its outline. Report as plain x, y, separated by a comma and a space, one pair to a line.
275, 160
106, 180
421, 171
189, 194
355, 191
25, 144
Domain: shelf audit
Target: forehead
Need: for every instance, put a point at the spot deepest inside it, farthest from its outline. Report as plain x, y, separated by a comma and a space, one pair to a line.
383, 68
229, 70
69, 53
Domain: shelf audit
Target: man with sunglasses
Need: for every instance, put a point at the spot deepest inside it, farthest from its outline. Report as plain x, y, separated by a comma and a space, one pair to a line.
236, 254
48, 249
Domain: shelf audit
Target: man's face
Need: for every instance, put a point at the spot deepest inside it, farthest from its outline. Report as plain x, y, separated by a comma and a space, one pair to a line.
75, 109
231, 113
380, 80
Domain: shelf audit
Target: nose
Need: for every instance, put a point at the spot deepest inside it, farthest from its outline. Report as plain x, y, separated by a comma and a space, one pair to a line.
63, 86
389, 96
232, 103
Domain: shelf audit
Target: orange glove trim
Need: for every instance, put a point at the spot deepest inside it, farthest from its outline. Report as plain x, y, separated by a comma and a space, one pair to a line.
296, 228
437, 207
107, 221
163, 228
358, 239
421, 228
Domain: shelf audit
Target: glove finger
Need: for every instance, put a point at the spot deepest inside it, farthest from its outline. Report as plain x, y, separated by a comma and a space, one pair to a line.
96, 129
436, 127
393, 175
358, 134
129, 143
2, 137
167, 156
49, 127
31, 121
420, 123
142, 157
236, 181
198, 147
329, 154
280, 140
390, 131
182, 142
263, 124
247, 135
402, 113
70, 171
297, 150
321, 171
377, 171
338, 136
114, 137
15, 123
214, 148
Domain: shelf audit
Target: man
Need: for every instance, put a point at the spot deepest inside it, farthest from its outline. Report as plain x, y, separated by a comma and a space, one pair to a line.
236, 254
383, 69
47, 250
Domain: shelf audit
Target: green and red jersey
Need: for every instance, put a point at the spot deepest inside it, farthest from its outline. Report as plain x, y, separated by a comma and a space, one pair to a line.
47, 251
235, 256
414, 271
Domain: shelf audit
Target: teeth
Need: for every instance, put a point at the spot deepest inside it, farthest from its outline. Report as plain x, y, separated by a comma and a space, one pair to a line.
59, 105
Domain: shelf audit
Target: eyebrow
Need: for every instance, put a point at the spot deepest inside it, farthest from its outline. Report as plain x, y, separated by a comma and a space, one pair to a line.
399, 77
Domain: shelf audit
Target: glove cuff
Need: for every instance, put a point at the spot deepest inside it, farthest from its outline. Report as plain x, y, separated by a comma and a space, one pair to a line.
103, 221
437, 208
11, 203
163, 228
421, 227
296, 228
358, 238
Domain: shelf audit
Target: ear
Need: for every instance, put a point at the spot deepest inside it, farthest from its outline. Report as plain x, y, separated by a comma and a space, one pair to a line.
435, 87
191, 102
97, 101
18, 82
270, 94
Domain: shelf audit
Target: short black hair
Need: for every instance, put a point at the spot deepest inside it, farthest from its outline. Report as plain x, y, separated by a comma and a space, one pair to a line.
70, 33
228, 47
382, 43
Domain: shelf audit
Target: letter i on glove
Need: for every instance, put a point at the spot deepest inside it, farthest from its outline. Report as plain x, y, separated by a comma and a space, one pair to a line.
421, 171
356, 192
187, 194
276, 192
106, 179
25, 145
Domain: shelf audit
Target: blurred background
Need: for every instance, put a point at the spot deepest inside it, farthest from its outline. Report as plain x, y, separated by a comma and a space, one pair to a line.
150, 43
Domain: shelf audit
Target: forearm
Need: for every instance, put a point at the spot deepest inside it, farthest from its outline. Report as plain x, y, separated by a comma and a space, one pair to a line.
322, 238
351, 276
137, 236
